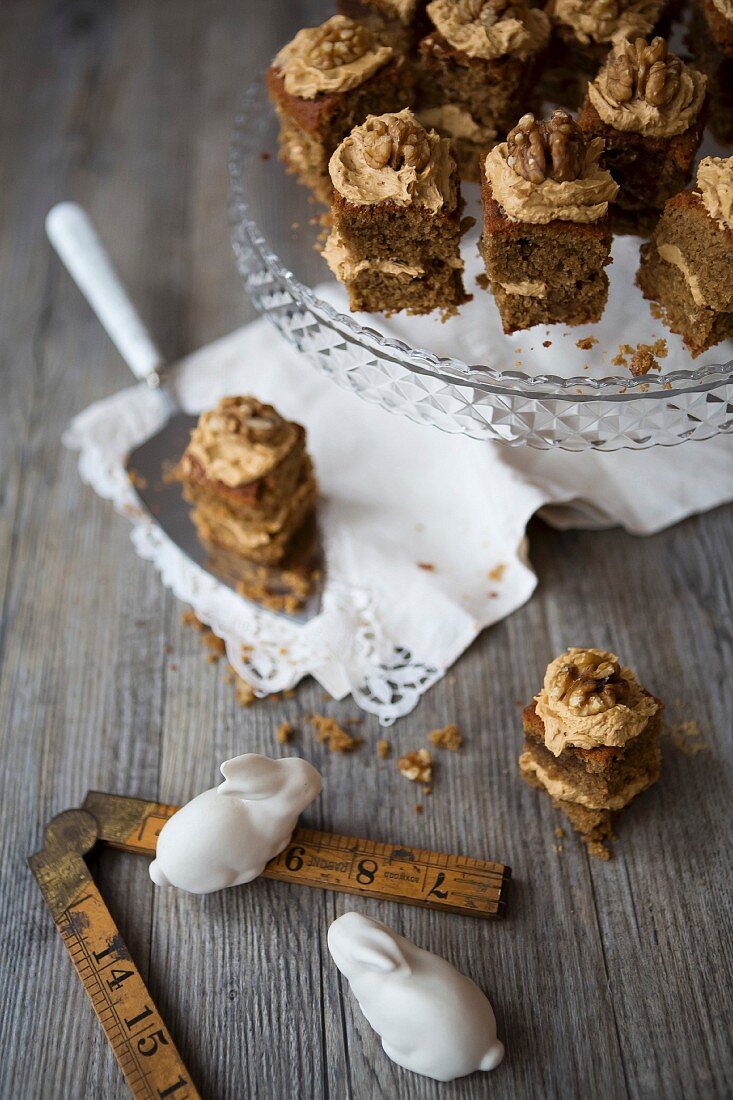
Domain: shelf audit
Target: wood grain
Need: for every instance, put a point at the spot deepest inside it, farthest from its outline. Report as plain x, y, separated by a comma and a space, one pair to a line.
609, 980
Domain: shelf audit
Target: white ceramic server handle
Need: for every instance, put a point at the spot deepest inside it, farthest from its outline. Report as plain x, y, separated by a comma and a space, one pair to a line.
72, 234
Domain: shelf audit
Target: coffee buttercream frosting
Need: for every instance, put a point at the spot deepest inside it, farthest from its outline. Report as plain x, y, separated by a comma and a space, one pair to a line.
584, 199
715, 182
334, 57
606, 20
637, 114
491, 28
392, 158
591, 712
238, 441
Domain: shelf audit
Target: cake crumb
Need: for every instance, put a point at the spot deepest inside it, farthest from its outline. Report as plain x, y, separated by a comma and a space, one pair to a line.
586, 343
448, 737
284, 733
418, 808
137, 480
598, 850
334, 736
428, 566
497, 572
244, 692
559, 832
547, 343
647, 356
417, 766
483, 280
687, 737
384, 749
189, 618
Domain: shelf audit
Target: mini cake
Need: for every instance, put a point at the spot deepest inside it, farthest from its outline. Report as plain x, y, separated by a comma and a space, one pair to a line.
711, 42
591, 741
248, 475
396, 217
399, 23
583, 32
687, 266
547, 230
647, 105
323, 83
474, 67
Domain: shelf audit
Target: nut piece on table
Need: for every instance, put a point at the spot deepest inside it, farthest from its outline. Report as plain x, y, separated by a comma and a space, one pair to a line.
417, 766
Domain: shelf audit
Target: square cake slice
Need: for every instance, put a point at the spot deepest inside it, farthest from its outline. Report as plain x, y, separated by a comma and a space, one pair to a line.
547, 231
479, 60
591, 741
324, 82
247, 473
687, 266
649, 109
396, 218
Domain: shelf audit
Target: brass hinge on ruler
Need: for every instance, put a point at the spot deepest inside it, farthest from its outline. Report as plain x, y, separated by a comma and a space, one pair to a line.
140, 1040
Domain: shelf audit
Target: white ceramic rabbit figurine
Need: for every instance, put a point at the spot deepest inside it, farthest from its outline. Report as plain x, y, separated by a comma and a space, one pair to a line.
226, 835
431, 1018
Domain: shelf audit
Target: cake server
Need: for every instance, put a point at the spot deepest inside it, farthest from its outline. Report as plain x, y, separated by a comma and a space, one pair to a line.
76, 241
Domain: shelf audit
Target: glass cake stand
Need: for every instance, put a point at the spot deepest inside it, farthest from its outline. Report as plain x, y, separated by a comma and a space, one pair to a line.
537, 388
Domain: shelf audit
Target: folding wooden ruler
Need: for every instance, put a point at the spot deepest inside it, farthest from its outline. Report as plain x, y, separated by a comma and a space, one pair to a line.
141, 1042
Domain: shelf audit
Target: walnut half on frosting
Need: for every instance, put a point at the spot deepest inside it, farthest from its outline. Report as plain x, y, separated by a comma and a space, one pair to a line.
552, 150
590, 682
393, 141
646, 71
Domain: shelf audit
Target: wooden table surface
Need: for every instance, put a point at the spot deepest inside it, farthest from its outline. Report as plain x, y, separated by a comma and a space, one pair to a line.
608, 979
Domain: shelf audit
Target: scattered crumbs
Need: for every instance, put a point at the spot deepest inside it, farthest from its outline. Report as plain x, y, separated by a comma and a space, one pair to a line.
418, 808
173, 668
427, 790
244, 692
216, 647
586, 343
284, 733
619, 361
647, 356
493, 595
169, 649
687, 737
188, 618
448, 737
518, 703
559, 832
598, 850
497, 572
417, 766
656, 311
383, 749
586, 366
427, 566
667, 386
283, 651
517, 351
558, 848
547, 343
483, 280
334, 736
517, 363
264, 156
137, 479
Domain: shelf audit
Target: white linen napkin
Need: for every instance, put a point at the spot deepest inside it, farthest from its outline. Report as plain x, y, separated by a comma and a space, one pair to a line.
424, 532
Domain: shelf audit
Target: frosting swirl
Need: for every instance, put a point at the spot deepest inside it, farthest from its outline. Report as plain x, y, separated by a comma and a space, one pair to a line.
605, 20
584, 199
638, 114
334, 57
491, 28
426, 179
587, 727
238, 441
715, 182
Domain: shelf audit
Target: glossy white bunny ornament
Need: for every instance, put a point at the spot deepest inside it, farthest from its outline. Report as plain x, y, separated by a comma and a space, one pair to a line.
226, 835
431, 1018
